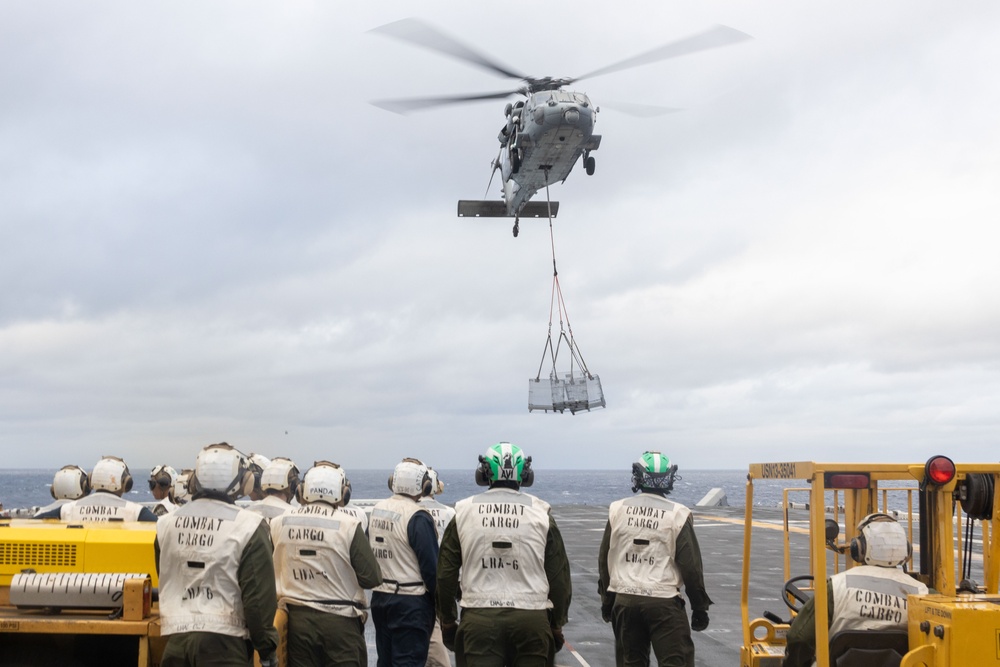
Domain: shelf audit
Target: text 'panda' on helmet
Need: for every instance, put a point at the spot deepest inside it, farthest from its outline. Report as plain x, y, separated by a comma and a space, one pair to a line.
653, 472
162, 475
111, 474
325, 482
221, 469
504, 462
410, 478
70, 483
281, 474
881, 541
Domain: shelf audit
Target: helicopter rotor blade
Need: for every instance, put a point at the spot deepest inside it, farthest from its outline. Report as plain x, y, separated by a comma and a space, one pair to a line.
712, 38
404, 106
419, 33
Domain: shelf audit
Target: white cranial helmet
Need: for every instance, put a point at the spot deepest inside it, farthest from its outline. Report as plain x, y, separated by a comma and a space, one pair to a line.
881, 541
70, 483
180, 493
222, 469
111, 474
280, 474
325, 482
410, 478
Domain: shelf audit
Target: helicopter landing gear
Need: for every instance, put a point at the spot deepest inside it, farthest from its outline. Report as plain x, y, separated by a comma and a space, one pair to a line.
515, 160
589, 163
517, 227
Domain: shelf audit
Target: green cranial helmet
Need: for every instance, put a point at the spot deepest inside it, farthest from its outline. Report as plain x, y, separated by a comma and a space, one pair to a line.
653, 472
504, 462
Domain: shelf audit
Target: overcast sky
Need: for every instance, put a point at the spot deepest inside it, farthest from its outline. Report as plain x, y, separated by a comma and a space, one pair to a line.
208, 233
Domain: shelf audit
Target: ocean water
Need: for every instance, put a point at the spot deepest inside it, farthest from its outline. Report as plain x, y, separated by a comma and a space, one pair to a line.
30, 488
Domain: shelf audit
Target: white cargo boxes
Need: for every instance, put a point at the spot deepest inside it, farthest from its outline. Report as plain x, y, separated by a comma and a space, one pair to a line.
565, 391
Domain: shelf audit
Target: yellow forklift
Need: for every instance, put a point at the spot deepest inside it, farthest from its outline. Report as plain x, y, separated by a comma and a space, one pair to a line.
83, 595
941, 504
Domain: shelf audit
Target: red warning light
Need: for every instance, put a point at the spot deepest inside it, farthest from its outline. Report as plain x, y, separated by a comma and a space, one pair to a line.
939, 470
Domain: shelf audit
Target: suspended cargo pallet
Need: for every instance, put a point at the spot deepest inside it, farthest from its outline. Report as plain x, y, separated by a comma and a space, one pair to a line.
572, 391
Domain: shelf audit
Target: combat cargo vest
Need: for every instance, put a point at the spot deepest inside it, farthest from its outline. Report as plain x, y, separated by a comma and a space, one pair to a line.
644, 530
200, 549
357, 513
867, 597
441, 513
312, 556
100, 506
503, 534
391, 546
164, 506
270, 507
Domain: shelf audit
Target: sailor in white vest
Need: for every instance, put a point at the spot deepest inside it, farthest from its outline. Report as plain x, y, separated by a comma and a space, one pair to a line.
869, 596
402, 536
69, 483
504, 556
437, 655
161, 482
109, 479
649, 551
279, 481
324, 564
217, 591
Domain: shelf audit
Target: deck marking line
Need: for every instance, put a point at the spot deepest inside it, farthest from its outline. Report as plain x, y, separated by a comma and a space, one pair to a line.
576, 655
756, 524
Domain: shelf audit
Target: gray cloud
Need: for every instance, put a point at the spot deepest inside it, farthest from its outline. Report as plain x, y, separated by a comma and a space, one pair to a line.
209, 234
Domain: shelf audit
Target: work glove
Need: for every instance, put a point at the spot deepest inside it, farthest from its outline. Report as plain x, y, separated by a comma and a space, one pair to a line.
269, 661
558, 637
606, 606
448, 632
699, 620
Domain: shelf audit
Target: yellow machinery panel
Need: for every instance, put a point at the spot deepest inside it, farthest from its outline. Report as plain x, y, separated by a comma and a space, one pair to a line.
963, 631
53, 546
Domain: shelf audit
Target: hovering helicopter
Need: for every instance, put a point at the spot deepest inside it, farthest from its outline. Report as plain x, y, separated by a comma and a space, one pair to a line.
545, 134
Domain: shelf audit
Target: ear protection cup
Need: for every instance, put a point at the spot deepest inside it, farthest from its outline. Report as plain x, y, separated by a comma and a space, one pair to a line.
527, 474
858, 549
483, 472
347, 491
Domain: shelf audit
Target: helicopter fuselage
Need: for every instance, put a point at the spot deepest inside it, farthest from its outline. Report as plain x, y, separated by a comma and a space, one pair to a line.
544, 137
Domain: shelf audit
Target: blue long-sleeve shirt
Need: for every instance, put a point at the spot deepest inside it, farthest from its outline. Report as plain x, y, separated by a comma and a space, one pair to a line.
422, 535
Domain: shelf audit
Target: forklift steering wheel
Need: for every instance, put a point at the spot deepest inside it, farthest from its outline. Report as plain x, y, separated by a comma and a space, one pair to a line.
792, 593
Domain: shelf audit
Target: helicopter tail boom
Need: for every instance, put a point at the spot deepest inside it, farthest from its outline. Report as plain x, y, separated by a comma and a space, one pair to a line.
475, 208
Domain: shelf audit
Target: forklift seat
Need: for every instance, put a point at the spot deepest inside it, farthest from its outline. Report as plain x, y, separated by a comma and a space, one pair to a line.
868, 648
